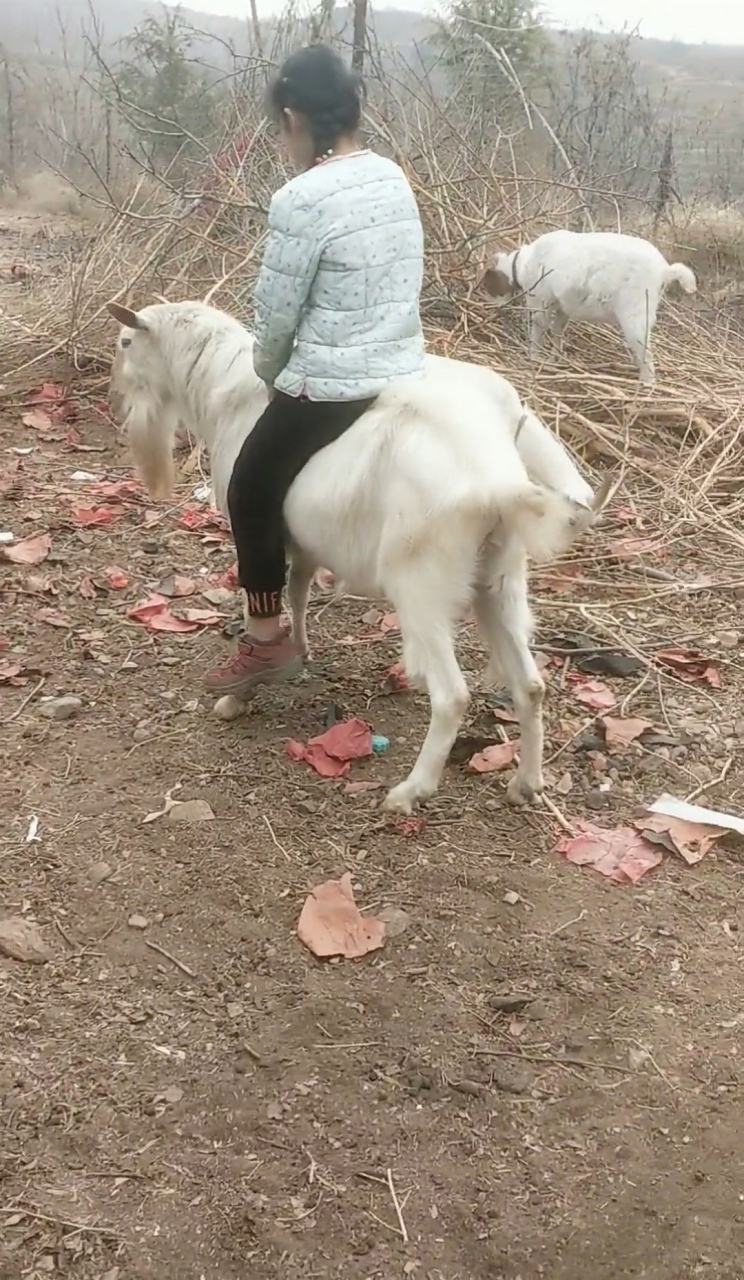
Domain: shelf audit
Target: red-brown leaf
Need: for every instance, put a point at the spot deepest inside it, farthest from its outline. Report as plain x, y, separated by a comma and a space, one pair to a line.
621, 855
495, 758
595, 694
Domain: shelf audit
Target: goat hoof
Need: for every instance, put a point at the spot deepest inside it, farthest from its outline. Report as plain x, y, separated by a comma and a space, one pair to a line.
405, 797
229, 707
520, 791
398, 801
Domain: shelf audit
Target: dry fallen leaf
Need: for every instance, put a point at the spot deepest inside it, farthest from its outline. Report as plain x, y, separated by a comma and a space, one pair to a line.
622, 855
690, 665
193, 519
53, 399
357, 788
691, 840
116, 578
37, 420
494, 758
625, 548
620, 732
28, 551
155, 614
595, 694
89, 517
204, 617
176, 586
52, 617
389, 622
395, 679
331, 924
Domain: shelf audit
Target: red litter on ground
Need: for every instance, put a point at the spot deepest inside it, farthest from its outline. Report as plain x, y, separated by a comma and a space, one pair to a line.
330, 753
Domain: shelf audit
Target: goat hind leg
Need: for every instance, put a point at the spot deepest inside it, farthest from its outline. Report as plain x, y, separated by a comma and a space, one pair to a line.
430, 654
638, 341
504, 620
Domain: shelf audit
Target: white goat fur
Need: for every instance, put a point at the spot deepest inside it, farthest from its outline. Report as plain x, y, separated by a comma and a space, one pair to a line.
425, 500
600, 277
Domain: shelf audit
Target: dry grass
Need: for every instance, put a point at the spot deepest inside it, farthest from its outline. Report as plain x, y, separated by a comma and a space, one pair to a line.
678, 448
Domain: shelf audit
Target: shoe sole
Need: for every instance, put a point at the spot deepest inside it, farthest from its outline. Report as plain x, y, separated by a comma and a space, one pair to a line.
276, 675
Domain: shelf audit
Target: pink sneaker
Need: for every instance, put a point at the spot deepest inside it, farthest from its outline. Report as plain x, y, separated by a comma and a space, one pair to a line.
256, 662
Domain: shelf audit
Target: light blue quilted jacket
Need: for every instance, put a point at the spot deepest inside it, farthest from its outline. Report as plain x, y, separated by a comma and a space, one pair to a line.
337, 299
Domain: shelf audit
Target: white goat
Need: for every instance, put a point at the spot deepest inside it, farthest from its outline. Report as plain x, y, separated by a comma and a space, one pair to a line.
424, 501
596, 276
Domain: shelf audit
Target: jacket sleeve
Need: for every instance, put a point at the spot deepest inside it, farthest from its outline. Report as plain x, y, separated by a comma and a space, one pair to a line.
289, 266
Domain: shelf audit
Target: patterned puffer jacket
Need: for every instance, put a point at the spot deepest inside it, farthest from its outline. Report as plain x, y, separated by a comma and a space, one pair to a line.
337, 300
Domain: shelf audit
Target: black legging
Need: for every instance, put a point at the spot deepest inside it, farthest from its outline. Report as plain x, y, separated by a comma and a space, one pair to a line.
287, 435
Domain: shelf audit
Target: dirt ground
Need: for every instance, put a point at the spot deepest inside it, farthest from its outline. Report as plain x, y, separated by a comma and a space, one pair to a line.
540, 1076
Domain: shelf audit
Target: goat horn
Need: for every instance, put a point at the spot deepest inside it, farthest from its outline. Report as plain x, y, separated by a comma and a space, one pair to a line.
603, 494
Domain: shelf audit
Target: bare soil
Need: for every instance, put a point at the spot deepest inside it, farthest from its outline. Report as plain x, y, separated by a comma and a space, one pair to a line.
199, 1097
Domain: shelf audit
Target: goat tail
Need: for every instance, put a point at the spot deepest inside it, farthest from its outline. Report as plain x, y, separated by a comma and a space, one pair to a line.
544, 521
151, 437
678, 273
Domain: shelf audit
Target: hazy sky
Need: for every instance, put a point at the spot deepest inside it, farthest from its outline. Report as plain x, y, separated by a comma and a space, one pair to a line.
715, 21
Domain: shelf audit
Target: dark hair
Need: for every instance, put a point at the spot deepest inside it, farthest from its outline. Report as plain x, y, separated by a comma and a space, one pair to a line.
316, 83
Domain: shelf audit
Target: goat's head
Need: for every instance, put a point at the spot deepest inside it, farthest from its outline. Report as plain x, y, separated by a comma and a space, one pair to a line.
499, 278
140, 396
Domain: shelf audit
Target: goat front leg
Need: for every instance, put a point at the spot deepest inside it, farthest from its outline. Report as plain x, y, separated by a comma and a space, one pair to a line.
504, 621
433, 661
541, 322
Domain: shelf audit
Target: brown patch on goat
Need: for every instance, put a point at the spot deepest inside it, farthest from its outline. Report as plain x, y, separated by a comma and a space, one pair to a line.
496, 283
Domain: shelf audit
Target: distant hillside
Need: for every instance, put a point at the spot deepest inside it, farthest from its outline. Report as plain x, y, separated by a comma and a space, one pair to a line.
37, 23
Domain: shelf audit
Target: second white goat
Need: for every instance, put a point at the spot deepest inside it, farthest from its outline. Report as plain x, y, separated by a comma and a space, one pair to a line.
600, 277
424, 501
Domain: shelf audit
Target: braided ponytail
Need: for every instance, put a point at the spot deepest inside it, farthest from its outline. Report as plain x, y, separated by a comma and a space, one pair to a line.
317, 84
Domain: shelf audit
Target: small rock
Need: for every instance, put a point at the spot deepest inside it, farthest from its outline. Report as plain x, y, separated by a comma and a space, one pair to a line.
597, 799
233, 1009
138, 922
218, 595
564, 784
172, 1094
509, 1004
396, 921
511, 897
61, 708
99, 872
21, 940
191, 811
729, 639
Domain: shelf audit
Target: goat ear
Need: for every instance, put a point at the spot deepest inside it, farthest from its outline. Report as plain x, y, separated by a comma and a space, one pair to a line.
496, 283
130, 319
